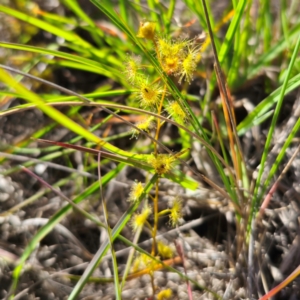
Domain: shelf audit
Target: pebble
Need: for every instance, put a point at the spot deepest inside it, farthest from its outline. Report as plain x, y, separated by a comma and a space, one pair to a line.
6, 185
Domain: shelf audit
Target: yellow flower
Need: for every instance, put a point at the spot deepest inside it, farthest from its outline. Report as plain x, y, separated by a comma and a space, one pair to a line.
145, 125
139, 219
136, 191
171, 54
162, 163
189, 64
143, 261
146, 30
176, 212
132, 65
149, 94
179, 57
165, 294
164, 250
175, 110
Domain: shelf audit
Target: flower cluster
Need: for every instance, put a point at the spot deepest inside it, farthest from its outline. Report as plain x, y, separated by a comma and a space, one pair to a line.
171, 53
178, 57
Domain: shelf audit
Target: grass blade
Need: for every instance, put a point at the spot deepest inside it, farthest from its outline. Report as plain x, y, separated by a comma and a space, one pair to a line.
257, 197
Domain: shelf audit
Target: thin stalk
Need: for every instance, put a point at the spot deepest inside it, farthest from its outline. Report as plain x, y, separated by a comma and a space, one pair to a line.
155, 200
228, 108
117, 285
158, 125
155, 210
257, 193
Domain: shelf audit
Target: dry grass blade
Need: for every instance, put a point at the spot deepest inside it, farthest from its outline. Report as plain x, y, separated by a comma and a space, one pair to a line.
268, 198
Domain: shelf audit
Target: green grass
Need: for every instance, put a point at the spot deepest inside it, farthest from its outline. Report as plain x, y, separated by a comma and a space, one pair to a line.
245, 51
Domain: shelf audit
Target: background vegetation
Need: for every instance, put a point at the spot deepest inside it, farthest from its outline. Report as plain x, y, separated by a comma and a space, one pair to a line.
149, 149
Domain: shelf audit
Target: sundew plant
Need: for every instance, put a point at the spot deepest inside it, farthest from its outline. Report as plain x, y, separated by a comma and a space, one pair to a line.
143, 114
